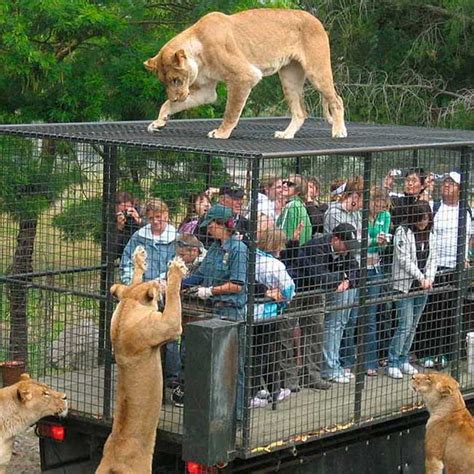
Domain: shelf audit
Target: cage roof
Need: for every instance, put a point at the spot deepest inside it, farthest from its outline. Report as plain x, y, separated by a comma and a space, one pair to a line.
252, 137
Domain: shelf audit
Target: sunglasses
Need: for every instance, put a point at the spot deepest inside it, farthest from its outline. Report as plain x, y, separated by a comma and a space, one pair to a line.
288, 183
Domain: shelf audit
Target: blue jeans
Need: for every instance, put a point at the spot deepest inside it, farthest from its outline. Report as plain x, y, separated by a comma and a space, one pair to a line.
408, 315
334, 324
374, 290
173, 364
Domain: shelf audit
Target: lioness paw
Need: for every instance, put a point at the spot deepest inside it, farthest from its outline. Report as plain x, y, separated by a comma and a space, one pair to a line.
216, 133
339, 133
156, 125
139, 258
178, 266
284, 134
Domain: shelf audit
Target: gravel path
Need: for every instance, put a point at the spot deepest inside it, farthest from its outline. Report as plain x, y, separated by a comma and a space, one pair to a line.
26, 458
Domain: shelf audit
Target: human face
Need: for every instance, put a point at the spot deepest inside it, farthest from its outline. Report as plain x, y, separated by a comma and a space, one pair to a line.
233, 203
124, 206
275, 191
202, 205
450, 191
377, 206
423, 223
313, 190
158, 221
339, 245
412, 185
188, 254
353, 202
289, 189
218, 231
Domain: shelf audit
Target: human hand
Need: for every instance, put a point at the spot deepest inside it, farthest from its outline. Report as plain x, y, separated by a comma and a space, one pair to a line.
297, 232
343, 286
426, 284
121, 221
274, 294
133, 213
204, 293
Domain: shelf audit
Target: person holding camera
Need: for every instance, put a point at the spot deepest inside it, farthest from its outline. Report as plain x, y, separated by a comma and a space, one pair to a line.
128, 221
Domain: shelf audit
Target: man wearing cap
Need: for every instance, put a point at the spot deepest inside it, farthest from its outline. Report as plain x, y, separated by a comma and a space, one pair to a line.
437, 327
221, 278
231, 195
328, 263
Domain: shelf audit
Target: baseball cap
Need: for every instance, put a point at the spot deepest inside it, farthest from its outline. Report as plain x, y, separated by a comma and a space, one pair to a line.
454, 175
348, 234
218, 211
232, 189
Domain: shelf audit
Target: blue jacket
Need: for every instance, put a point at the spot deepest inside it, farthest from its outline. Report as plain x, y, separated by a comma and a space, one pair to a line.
160, 250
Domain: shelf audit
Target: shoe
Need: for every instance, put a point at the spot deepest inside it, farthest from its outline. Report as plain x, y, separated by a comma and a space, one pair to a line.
284, 393
372, 372
294, 388
408, 369
320, 385
442, 361
394, 373
427, 362
257, 402
349, 374
262, 394
177, 396
339, 379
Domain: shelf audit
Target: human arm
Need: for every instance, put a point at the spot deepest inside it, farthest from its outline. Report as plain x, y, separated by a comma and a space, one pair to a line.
404, 240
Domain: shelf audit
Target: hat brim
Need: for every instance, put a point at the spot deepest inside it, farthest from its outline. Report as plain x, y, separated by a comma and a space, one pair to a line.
206, 222
352, 245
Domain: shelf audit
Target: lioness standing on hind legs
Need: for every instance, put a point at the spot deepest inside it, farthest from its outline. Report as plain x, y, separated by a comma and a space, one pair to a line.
239, 50
137, 332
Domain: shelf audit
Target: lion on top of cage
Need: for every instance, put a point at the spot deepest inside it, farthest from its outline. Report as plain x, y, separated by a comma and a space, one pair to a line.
137, 332
239, 50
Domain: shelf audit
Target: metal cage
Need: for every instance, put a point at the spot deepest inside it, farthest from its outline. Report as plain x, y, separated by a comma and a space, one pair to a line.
58, 259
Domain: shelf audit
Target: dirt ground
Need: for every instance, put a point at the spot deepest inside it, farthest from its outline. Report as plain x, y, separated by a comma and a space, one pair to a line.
26, 458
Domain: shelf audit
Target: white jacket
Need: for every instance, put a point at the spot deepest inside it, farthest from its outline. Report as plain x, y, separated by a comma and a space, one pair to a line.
405, 263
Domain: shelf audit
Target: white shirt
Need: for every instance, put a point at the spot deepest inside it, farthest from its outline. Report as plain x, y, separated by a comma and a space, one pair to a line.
266, 206
446, 225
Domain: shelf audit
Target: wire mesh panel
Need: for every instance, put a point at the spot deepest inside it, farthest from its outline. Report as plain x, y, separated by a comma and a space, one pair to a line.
347, 264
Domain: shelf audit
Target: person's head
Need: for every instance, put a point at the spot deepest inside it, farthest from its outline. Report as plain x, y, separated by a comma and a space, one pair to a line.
124, 201
451, 187
157, 213
420, 217
414, 182
272, 240
219, 221
188, 247
314, 188
232, 195
344, 239
198, 204
263, 223
336, 189
351, 198
379, 200
295, 185
272, 187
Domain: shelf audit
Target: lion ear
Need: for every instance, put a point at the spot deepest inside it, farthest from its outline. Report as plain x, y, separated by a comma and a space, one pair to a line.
180, 58
24, 394
117, 290
24, 376
151, 293
444, 390
150, 64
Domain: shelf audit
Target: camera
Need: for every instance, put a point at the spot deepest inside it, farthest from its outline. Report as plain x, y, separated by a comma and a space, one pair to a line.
127, 214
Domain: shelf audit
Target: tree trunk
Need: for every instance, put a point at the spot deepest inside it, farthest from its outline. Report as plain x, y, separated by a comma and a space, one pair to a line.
18, 291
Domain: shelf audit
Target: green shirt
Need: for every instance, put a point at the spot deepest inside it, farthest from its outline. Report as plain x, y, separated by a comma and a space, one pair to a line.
293, 213
380, 224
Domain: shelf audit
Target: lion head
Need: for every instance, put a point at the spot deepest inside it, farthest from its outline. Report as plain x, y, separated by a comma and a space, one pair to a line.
437, 390
173, 71
40, 400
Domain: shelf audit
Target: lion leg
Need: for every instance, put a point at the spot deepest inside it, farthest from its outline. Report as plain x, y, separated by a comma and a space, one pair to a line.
433, 466
320, 74
139, 264
166, 326
238, 91
197, 96
292, 79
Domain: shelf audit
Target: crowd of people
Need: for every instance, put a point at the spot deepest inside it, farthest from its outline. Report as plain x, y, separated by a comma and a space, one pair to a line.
304, 244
